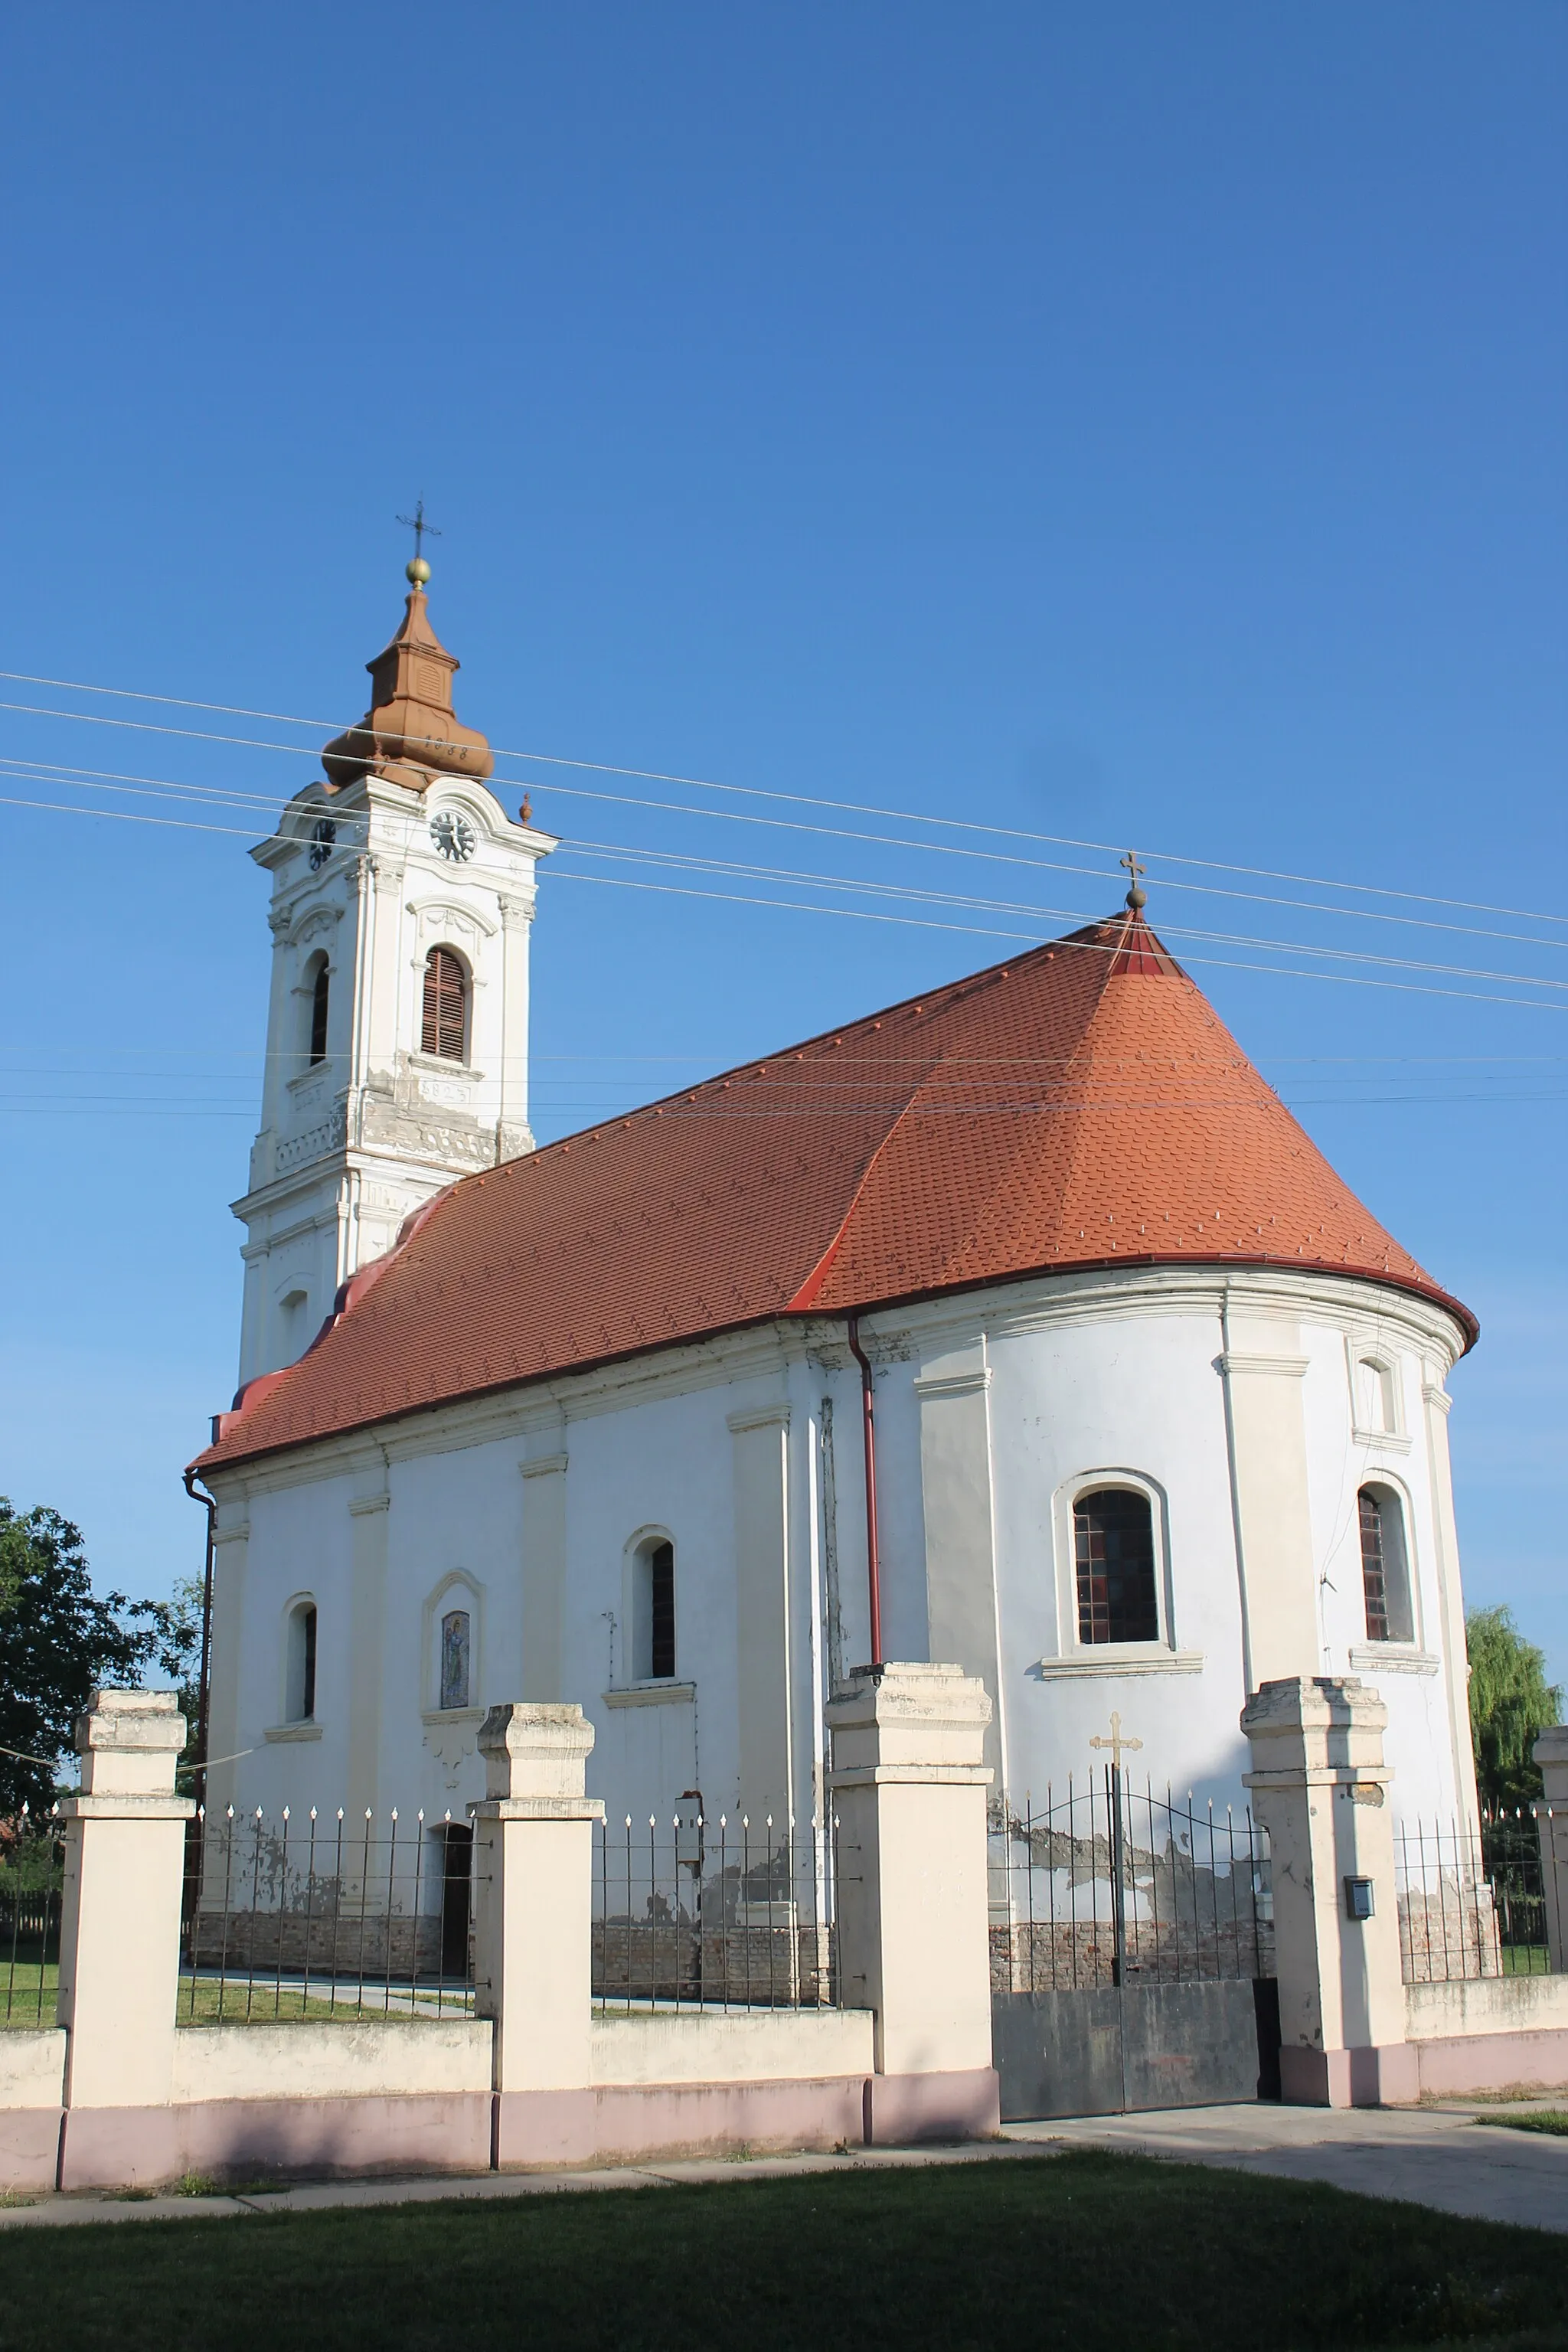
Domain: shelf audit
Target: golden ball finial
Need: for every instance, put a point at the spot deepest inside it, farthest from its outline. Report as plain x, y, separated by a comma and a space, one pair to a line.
417, 570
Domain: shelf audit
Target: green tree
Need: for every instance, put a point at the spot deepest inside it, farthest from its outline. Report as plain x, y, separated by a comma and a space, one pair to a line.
1511, 1703
58, 1642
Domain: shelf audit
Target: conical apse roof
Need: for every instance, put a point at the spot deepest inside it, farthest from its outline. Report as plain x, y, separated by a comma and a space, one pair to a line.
1081, 1106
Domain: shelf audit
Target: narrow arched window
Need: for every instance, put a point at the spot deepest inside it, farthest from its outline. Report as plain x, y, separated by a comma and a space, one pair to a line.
1384, 1566
318, 994
455, 1649
1113, 1542
445, 1020
300, 1688
653, 1613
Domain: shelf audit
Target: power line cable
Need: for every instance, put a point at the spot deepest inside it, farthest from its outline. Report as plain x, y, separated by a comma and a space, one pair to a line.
922, 923
700, 783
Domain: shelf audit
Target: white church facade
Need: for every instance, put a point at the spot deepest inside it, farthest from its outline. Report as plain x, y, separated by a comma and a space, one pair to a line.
1019, 1326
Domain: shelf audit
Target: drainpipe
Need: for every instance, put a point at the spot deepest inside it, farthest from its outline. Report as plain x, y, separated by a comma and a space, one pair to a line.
209, 1505
873, 1550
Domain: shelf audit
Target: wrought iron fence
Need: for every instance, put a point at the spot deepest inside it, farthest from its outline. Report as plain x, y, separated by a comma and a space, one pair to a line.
319, 1915
30, 1888
1109, 1883
1475, 1904
733, 1914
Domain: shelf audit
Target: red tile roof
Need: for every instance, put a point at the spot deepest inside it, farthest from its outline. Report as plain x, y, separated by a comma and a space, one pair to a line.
1081, 1106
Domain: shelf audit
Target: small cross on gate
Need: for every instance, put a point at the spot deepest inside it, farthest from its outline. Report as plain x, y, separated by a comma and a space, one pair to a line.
422, 530
1117, 1741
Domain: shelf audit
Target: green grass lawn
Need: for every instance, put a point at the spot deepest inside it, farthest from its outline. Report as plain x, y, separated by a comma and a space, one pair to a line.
23, 2000
212, 2003
209, 2002
1537, 2119
1088, 2250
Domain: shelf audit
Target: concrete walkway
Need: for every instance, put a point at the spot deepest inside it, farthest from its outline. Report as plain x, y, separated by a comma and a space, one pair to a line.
1427, 2156
1437, 2156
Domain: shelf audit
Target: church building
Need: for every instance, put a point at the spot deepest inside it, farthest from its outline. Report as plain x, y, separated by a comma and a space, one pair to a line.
1018, 1326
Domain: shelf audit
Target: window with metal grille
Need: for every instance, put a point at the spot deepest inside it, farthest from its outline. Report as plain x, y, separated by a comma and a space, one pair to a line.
1384, 1566
319, 1014
444, 1029
661, 1612
301, 1707
650, 1653
1113, 1541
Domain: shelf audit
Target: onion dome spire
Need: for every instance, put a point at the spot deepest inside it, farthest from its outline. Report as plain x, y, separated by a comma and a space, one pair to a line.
410, 734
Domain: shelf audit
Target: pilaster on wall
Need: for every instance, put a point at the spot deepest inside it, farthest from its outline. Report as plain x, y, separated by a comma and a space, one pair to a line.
543, 1574
1263, 1367
512, 1135
1319, 1787
760, 1439
367, 1643
1436, 1402
909, 1789
960, 1536
230, 1552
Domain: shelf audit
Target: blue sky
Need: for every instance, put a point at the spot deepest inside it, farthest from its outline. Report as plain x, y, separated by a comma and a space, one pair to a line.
1121, 425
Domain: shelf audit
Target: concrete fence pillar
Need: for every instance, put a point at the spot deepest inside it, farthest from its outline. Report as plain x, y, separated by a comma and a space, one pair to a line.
1551, 1752
533, 1869
120, 1937
1319, 1787
909, 1789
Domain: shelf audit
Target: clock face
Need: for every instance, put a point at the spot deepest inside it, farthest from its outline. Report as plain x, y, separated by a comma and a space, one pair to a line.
321, 842
453, 836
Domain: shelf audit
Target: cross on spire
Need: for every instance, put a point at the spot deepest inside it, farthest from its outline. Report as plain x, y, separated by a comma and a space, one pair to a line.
419, 571
1136, 898
1119, 1739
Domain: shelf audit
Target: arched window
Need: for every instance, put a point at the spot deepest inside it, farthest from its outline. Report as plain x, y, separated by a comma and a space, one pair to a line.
1113, 1545
1384, 1566
455, 1649
320, 987
300, 1686
445, 1021
653, 1612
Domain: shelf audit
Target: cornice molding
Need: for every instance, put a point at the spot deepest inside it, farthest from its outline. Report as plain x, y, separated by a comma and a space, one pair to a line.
1392, 1658
761, 1416
1041, 1303
952, 1384
545, 1465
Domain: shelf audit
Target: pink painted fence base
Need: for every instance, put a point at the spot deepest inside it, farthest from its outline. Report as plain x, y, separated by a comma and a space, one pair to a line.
248, 2139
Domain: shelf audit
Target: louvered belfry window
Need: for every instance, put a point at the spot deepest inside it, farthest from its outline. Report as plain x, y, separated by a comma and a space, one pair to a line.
446, 1005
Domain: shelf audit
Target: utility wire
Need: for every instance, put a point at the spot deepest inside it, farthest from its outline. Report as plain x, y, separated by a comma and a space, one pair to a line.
917, 922
909, 893
700, 783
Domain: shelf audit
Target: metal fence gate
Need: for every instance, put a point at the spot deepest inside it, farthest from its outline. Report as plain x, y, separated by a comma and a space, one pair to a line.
1131, 1953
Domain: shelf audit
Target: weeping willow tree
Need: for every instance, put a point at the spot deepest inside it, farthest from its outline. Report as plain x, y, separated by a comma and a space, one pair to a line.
1511, 1703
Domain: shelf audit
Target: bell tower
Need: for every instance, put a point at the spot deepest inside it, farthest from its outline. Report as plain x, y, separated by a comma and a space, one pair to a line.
403, 898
